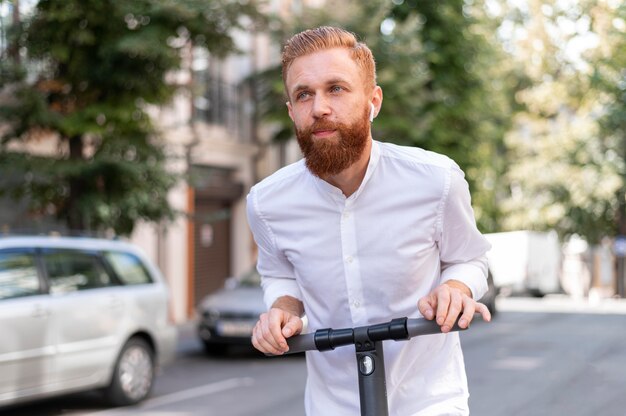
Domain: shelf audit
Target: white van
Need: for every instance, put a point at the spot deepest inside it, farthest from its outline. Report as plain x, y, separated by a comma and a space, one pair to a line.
525, 261
79, 314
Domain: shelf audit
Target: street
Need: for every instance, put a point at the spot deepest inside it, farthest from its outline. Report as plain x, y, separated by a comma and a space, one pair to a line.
532, 359
538, 363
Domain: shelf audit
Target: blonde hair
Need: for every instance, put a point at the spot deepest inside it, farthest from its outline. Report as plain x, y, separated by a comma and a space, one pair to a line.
327, 37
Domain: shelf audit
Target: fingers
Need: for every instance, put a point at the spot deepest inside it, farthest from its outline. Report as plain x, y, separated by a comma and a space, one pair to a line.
443, 303
469, 308
426, 306
270, 332
451, 305
262, 339
451, 313
292, 327
484, 311
274, 331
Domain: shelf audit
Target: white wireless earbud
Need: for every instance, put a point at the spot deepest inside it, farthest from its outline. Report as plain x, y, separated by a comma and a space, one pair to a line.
372, 110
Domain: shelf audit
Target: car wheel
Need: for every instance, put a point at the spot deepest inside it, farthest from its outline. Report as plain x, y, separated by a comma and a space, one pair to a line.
133, 375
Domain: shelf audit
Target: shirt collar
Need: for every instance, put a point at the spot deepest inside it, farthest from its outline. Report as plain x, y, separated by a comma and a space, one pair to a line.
371, 166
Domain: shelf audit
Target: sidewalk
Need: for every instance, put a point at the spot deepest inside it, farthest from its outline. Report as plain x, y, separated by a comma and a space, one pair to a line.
562, 303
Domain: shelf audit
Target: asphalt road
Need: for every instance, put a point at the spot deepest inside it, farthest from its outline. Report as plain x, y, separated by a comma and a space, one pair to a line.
533, 359
548, 364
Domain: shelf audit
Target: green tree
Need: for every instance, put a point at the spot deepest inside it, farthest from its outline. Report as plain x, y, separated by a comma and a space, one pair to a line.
93, 69
443, 78
565, 173
609, 77
461, 105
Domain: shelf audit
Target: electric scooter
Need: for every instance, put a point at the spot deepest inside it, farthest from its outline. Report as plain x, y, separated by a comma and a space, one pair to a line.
368, 343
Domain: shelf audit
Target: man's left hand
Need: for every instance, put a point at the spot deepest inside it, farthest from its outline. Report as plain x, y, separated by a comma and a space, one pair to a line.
449, 300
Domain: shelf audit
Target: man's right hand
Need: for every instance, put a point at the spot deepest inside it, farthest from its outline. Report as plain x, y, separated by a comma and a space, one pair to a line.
274, 327
272, 330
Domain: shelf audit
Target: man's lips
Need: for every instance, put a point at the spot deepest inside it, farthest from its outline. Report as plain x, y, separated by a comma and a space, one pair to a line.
323, 133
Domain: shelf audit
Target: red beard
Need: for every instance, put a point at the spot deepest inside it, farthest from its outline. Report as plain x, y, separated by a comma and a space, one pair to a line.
329, 156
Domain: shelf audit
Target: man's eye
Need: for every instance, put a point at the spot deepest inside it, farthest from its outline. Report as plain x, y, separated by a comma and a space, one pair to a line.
302, 95
336, 88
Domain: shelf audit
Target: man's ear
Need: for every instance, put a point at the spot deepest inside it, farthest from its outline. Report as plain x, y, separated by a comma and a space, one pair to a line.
289, 110
377, 100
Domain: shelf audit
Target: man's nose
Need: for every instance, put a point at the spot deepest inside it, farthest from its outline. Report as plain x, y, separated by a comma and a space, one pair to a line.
321, 106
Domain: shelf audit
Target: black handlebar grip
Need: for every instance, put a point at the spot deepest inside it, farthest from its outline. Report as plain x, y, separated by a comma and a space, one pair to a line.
301, 343
421, 326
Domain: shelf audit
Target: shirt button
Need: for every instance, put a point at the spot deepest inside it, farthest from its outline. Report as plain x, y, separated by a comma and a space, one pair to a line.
356, 304
346, 215
349, 259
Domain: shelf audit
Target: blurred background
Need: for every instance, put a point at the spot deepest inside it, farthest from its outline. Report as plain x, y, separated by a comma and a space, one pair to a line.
150, 120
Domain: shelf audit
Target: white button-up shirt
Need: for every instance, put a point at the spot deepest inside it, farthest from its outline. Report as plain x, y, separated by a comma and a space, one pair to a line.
367, 259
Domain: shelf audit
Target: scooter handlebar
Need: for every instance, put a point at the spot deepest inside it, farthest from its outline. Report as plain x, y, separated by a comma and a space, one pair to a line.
411, 328
420, 326
301, 343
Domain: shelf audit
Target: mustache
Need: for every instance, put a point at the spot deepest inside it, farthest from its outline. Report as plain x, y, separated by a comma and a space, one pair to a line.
323, 125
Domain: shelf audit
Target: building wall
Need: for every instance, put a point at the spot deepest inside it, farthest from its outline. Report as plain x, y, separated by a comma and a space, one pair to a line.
191, 142
194, 142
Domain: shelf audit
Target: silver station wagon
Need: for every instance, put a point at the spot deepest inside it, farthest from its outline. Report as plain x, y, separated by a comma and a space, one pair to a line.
80, 314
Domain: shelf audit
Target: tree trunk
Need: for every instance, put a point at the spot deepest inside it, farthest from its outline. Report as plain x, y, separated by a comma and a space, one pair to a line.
621, 194
13, 49
75, 218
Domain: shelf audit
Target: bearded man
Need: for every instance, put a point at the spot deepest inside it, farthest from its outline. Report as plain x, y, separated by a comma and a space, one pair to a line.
361, 231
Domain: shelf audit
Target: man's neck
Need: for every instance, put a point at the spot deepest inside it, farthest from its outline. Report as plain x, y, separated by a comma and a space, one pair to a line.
349, 179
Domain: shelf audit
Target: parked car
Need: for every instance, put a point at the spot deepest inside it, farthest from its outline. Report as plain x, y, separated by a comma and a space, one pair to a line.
79, 314
227, 317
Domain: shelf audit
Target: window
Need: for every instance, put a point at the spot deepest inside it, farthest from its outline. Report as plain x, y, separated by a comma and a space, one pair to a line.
70, 271
128, 268
219, 101
18, 275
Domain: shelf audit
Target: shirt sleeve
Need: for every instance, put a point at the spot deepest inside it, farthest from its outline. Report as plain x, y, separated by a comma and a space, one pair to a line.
462, 247
277, 275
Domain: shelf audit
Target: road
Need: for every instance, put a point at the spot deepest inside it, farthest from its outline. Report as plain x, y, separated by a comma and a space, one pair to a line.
556, 364
529, 360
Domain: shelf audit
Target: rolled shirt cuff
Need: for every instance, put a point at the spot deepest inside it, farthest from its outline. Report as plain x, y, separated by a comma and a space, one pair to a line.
275, 287
472, 274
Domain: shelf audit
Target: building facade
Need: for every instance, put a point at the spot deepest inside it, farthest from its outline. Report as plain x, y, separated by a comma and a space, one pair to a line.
216, 139
217, 143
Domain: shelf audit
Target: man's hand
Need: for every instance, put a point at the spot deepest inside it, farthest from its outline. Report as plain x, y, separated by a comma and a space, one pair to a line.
449, 300
275, 326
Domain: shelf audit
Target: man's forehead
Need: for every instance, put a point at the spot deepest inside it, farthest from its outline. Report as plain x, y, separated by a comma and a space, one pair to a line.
323, 66
324, 79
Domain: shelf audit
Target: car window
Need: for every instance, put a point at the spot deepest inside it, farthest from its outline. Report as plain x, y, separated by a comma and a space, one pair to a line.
70, 271
18, 275
128, 268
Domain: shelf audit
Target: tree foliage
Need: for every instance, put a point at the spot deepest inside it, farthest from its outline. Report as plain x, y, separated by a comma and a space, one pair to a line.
443, 78
461, 107
93, 70
609, 77
567, 173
